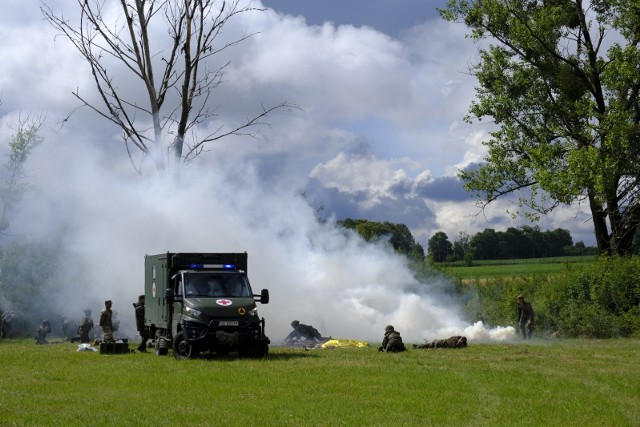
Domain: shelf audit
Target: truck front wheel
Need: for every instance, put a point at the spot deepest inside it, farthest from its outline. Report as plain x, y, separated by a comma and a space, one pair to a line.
181, 348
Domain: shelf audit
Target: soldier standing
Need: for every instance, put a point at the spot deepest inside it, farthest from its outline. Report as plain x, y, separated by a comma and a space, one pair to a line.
525, 317
392, 341
143, 330
86, 325
106, 322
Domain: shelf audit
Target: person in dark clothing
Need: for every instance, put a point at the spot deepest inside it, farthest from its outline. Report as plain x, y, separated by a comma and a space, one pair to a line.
6, 326
41, 333
525, 317
69, 329
392, 341
85, 327
302, 332
140, 326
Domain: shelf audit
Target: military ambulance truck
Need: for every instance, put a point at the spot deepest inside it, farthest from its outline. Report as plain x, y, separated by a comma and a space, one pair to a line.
203, 302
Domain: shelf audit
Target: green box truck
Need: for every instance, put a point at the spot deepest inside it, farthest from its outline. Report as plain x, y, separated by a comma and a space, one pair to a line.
203, 302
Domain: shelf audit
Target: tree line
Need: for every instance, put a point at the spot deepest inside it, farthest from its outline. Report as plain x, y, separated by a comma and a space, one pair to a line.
398, 235
513, 243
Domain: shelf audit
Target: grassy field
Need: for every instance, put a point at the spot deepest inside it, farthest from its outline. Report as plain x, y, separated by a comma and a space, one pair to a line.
495, 269
564, 382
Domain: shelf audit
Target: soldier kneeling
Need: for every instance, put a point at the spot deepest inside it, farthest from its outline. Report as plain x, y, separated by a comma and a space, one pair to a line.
392, 341
41, 333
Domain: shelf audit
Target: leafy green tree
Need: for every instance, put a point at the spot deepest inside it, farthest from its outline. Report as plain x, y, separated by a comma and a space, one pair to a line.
513, 244
560, 80
12, 183
439, 247
398, 235
557, 240
461, 246
486, 244
28, 269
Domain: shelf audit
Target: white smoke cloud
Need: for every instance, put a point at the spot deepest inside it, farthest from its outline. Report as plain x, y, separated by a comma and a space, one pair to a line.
83, 185
315, 273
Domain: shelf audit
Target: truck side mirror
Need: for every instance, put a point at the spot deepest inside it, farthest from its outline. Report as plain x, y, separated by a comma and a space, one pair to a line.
264, 296
169, 296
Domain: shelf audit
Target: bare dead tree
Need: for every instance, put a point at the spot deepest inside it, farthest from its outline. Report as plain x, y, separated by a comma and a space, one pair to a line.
178, 78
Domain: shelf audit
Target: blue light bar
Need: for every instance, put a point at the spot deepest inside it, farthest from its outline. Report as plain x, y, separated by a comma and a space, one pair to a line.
223, 266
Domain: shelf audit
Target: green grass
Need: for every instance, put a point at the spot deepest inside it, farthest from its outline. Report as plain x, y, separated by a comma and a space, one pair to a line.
497, 269
566, 382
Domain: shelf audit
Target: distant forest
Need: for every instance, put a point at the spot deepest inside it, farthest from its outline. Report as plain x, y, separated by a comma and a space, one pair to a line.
514, 243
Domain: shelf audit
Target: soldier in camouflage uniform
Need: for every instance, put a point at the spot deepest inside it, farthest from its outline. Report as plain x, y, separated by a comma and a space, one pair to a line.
302, 332
392, 341
41, 333
69, 329
451, 342
85, 327
143, 330
106, 322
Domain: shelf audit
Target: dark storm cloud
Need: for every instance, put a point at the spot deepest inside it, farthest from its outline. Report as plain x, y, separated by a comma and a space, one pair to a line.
444, 189
390, 17
407, 209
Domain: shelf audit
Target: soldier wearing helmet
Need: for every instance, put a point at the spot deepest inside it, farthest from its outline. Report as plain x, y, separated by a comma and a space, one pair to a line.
41, 333
302, 332
392, 341
86, 324
106, 322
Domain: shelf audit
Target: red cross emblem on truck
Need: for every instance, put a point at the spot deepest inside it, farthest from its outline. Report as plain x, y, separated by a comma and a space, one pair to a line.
224, 302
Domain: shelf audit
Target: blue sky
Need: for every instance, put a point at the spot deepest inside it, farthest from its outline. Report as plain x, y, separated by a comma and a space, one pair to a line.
382, 86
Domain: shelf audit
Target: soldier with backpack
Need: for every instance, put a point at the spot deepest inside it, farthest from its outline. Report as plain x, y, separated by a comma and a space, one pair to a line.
392, 341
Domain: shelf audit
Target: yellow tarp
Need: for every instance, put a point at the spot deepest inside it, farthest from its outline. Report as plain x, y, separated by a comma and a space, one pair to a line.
339, 343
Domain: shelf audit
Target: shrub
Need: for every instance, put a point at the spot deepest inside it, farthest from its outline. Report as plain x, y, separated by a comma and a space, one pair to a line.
599, 299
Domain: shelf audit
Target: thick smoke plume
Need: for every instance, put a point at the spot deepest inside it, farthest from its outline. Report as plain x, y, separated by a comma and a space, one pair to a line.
107, 219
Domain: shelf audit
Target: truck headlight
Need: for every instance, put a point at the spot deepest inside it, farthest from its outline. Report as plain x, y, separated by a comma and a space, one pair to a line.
253, 311
192, 312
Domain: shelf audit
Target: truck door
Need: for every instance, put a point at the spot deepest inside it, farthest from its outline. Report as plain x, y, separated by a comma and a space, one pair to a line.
177, 283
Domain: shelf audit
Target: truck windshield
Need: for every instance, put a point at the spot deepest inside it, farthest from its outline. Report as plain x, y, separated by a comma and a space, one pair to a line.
216, 285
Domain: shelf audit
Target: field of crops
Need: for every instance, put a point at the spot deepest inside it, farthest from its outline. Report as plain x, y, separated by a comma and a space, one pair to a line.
541, 382
494, 269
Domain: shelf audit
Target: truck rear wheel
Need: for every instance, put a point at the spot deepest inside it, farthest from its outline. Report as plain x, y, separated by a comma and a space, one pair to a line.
182, 349
160, 351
